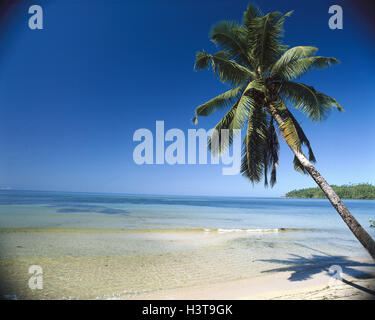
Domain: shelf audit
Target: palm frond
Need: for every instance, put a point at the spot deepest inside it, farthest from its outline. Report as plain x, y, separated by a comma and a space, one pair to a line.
202, 60
251, 13
255, 145
288, 128
290, 56
224, 123
301, 134
314, 104
298, 67
229, 36
234, 119
295, 136
223, 100
271, 160
248, 100
264, 39
228, 71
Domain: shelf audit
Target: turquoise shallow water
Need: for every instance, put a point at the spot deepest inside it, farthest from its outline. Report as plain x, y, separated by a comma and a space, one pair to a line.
148, 243
312, 223
26, 209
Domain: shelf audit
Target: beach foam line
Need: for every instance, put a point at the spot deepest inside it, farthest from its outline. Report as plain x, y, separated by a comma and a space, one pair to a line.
257, 230
248, 230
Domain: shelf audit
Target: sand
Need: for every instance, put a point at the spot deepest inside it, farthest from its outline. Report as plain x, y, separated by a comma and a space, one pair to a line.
188, 265
275, 287
278, 286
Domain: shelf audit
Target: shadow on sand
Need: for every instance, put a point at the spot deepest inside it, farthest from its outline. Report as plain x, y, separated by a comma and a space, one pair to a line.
302, 268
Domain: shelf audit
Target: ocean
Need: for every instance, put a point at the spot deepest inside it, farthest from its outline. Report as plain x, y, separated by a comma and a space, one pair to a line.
111, 245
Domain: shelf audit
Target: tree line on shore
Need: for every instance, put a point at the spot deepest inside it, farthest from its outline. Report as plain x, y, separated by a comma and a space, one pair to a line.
348, 191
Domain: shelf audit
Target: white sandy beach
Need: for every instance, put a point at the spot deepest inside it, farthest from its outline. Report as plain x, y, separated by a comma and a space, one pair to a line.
278, 286
201, 274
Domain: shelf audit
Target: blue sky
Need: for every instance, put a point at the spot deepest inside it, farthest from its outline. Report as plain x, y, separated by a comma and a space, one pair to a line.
72, 95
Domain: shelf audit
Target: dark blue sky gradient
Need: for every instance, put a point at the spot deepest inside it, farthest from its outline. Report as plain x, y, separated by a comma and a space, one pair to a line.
72, 95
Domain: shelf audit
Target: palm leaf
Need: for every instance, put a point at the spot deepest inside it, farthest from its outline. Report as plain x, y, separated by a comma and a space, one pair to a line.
251, 13
271, 160
295, 136
228, 71
290, 56
301, 134
223, 100
288, 128
234, 119
298, 67
314, 104
264, 39
230, 37
255, 145
224, 123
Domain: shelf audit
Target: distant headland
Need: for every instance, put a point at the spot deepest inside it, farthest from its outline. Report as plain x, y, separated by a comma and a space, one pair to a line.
348, 191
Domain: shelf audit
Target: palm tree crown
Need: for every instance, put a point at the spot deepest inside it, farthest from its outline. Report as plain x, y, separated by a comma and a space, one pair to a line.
259, 68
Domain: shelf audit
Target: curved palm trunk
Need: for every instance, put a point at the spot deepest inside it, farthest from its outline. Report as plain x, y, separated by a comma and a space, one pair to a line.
360, 233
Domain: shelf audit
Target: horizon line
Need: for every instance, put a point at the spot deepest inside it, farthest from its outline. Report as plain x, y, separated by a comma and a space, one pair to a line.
139, 194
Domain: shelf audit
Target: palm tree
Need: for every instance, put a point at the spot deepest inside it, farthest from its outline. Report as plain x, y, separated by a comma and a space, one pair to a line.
260, 68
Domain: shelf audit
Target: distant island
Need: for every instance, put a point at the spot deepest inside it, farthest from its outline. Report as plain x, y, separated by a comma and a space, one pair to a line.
352, 191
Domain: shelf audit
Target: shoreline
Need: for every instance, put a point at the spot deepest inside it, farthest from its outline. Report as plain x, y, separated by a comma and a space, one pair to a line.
176, 265
198, 273
312, 198
275, 287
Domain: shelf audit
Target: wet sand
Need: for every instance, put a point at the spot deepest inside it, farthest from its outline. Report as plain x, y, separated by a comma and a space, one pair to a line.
187, 264
277, 287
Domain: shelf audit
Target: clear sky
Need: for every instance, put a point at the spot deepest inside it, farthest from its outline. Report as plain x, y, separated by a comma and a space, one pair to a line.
72, 95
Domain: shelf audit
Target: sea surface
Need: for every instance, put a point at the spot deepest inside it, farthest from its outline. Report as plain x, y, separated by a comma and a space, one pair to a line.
101, 246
